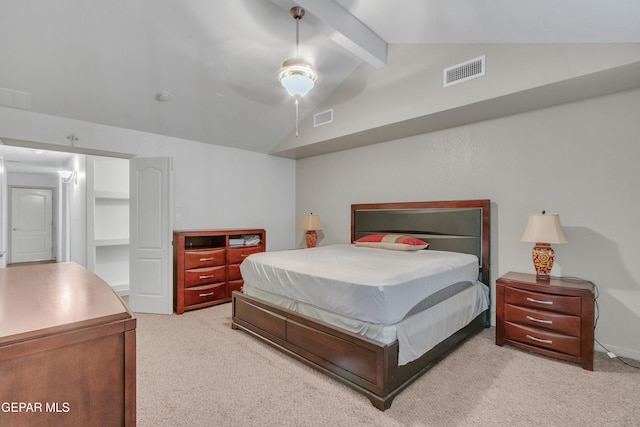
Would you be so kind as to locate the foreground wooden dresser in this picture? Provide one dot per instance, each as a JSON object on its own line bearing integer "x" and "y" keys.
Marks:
{"x": 551, "y": 317}
{"x": 67, "y": 349}
{"x": 206, "y": 265}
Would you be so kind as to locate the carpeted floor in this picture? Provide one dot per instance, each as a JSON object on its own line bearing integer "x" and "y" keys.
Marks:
{"x": 194, "y": 370}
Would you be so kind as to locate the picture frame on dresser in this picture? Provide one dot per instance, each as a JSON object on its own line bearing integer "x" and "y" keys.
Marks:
{"x": 206, "y": 264}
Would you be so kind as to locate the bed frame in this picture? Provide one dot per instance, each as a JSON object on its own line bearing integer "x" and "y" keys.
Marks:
{"x": 365, "y": 365}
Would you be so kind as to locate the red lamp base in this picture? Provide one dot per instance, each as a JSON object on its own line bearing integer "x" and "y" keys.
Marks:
{"x": 543, "y": 256}
{"x": 312, "y": 238}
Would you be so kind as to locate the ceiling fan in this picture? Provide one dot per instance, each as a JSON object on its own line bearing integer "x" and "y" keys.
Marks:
{"x": 297, "y": 76}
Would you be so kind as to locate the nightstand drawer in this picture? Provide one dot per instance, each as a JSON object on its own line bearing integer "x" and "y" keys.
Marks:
{"x": 203, "y": 276}
{"x": 203, "y": 258}
{"x": 200, "y": 294}
{"x": 543, "y": 319}
{"x": 557, "y": 303}
{"x": 544, "y": 339}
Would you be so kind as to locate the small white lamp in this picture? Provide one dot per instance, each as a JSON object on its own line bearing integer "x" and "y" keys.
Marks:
{"x": 543, "y": 229}
{"x": 311, "y": 223}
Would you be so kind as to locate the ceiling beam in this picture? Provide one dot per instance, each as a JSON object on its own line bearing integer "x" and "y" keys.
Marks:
{"x": 332, "y": 20}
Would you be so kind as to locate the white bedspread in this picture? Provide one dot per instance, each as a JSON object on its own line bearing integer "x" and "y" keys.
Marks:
{"x": 369, "y": 284}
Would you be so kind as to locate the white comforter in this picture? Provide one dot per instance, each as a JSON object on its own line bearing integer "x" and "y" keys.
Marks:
{"x": 369, "y": 284}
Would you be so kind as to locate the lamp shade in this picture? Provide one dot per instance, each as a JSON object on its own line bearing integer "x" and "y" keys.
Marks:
{"x": 311, "y": 222}
{"x": 544, "y": 228}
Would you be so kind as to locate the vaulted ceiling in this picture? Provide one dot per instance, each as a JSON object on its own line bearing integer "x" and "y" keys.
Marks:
{"x": 105, "y": 61}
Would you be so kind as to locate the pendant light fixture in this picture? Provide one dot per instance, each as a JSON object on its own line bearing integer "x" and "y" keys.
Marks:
{"x": 297, "y": 76}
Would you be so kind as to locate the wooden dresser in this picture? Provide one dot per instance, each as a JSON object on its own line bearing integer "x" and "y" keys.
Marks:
{"x": 206, "y": 265}
{"x": 551, "y": 317}
{"x": 67, "y": 349}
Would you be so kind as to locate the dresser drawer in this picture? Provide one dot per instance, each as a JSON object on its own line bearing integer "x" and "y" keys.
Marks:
{"x": 541, "y": 338}
{"x": 199, "y": 258}
{"x": 565, "y": 323}
{"x": 234, "y": 272}
{"x": 235, "y": 285}
{"x": 237, "y": 255}
{"x": 201, "y": 294}
{"x": 204, "y": 276}
{"x": 557, "y": 303}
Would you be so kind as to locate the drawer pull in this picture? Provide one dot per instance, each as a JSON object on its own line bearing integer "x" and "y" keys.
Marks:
{"x": 539, "y": 340}
{"x": 533, "y": 319}
{"x": 206, "y": 259}
{"x": 208, "y": 294}
{"x": 540, "y": 302}
{"x": 209, "y": 276}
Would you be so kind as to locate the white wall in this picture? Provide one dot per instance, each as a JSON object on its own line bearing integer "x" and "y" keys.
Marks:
{"x": 214, "y": 187}
{"x": 578, "y": 159}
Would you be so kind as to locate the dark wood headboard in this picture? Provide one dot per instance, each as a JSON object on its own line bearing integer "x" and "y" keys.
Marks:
{"x": 457, "y": 226}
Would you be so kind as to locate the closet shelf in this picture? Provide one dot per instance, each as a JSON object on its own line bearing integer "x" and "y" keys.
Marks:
{"x": 111, "y": 242}
{"x": 101, "y": 194}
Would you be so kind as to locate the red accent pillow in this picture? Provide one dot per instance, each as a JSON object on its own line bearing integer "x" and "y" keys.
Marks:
{"x": 396, "y": 242}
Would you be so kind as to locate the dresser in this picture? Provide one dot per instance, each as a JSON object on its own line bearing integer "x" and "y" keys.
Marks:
{"x": 550, "y": 317}
{"x": 206, "y": 265}
{"x": 67, "y": 349}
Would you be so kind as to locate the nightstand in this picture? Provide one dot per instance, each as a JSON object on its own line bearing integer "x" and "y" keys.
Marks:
{"x": 550, "y": 317}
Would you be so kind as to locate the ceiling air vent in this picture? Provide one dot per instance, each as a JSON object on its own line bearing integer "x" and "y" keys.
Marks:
{"x": 465, "y": 71}
{"x": 323, "y": 118}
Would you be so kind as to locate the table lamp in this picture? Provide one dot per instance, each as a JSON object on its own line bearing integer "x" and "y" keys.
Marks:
{"x": 311, "y": 223}
{"x": 543, "y": 229}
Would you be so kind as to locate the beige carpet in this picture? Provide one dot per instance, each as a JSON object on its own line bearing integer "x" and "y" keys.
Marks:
{"x": 194, "y": 370}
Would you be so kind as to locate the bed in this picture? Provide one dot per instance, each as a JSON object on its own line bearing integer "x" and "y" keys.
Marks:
{"x": 364, "y": 324}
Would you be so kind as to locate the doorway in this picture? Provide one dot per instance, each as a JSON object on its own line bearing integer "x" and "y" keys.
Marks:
{"x": 31, "y": 225}
{"x": 74, "y": 234}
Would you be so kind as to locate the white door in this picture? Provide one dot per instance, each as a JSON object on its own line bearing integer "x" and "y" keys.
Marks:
{"x": 151, "y": 289}
{"x": 31, "y": 224}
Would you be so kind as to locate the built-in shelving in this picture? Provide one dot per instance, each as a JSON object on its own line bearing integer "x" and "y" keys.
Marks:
{"x": 111, "y": 194}
{"x": 111, "y": 242}
{"x": 108, "y": 220}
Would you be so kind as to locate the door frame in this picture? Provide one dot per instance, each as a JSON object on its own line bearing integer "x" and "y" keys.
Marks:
{"x": 54, "y": 219}
{"x": 78, "y": 251}
{"x": 89, "y": 152}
